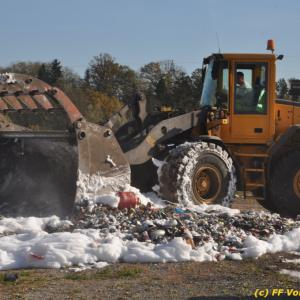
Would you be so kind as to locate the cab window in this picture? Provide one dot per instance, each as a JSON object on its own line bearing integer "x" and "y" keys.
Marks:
{"x": 250, "y": 90}
{"x": 222, "y": 88}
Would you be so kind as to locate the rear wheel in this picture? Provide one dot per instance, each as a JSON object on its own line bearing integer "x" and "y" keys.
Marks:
{"x": 285, "y": 185}
{"x": 267, "y": 202}
{"x": 199, "y": 173}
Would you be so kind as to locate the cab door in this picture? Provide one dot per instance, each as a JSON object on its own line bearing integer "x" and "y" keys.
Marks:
{"x": 250, "y": 105}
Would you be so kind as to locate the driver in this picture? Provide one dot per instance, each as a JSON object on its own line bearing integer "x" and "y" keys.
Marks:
{"x": 244, "y": 93}
{"x": 242, "y": 86}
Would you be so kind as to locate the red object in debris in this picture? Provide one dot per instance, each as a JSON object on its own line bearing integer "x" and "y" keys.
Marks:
{"x": 233, "y": 250}
{"x": 128, "y": 200}
{"x": 36, "y": 256}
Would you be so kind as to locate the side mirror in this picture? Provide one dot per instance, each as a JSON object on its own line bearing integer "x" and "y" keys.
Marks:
{"x": 280, "y": 57}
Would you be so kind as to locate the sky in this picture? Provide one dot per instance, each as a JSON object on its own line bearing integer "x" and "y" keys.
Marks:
{"x": 136, "y": 32}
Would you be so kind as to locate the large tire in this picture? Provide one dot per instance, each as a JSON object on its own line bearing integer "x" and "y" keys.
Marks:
{"x": 285, "y": 185}
{"x": 198, "y": 173}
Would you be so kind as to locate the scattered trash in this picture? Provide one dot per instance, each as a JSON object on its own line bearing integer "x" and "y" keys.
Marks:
{"x": 146, "y": 223}
{"x": 35, "y": 256}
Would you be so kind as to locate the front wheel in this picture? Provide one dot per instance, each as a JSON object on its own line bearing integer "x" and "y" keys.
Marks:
{"x": 199, "y": 173}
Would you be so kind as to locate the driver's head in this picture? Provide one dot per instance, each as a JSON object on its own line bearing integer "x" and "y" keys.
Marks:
{"x": 240, "y": 78}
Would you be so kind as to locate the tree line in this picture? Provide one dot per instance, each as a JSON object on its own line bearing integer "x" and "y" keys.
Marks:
{"x": 284, "y": 90}
{"x": 107, "y": 85}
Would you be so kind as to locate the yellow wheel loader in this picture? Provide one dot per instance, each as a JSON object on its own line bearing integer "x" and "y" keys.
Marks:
{"x": 241, "y": 137}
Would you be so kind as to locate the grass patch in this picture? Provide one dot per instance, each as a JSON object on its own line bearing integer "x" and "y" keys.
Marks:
{"x": 124, "y": 272}
{"x": 107, "y": 273}
{"x": 128, "y": 272}
{"x": 25, "y": 278}
{"x": 24, "y": 274}
{"x": 77, "y": 276}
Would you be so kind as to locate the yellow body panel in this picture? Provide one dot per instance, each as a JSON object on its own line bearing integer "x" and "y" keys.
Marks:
{"x": 296, "y": 114}
{"x": 284, "y": 117}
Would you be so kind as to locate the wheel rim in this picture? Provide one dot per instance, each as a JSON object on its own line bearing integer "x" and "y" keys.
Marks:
{"x": 296, "y": 184}
{"x": 206, "y": 184}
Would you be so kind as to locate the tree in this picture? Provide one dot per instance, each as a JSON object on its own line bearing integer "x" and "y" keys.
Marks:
{"x": 50, "y": 72}
{"x": 150, "y": 74}
{"x": 127, "y": 84}
{"x": 102, "y": 73}
{"x": 22, "y": 67}
{"x": 43, "y": 73}
{"x": 94, "y": 105}
{"x": 163, "y": 92}
{"x": 196, "y": 78}
{"x": 87, "y": 76}
{"x": 108, "y": 77}
{"x": 183, "y": 93}
{"x": 171, "y": 70}
{"x": 149, "y": 77}
{"x": 157, "y": 82}
{"x": 55, "y": 71}
{"x": 282, "y": 88}
{"x": 101, "y": 106}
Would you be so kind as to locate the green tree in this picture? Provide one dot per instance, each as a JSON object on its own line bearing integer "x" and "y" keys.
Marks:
{"x": 55, "y": 70}
{"x": 183, "y": 93}
{"x": 196, "y": 78}
{"x": 107, "y": 76}
{"x": 157, "y": 82}
{"x": 50, "y": 72}
{"x": 150, "y": 74}
{"x": 163, "y": 92}
{"x": 282, "y": 88}
{"x": 69, "y": 79}
{"x": 43, "y": 73}
{"x": 94, "y": 105}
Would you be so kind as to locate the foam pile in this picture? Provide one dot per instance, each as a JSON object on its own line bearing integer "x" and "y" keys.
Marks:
{"x": 100, "y": 233}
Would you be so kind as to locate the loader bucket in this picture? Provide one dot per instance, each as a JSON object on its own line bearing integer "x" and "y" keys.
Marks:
{"x": 48, "y": 151}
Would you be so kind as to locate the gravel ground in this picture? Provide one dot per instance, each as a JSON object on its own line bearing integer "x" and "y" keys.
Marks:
{"x": 207, "y": 280}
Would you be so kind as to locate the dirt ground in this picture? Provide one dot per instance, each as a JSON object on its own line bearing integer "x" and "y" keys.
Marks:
{"x": 247, "y": 203}
{"x": 189, "y": 280}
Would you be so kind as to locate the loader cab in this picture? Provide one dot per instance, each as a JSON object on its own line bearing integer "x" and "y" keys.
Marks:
{"x": 243, "y": 85}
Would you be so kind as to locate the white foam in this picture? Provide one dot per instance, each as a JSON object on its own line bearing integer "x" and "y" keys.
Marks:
{"x": 292, "y": 273}
{"x": 292, "y": 261}
{"x": 29, "y": 224}
{"x": 26, "y": 244}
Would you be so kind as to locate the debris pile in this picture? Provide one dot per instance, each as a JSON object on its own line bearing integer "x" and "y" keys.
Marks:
{"x": 127, "y": 229}
{"x": 146, "y": 223}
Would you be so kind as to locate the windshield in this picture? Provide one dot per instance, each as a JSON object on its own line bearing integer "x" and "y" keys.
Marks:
{"x": 216, "y": 85}
{"x": 209, "y": 87}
